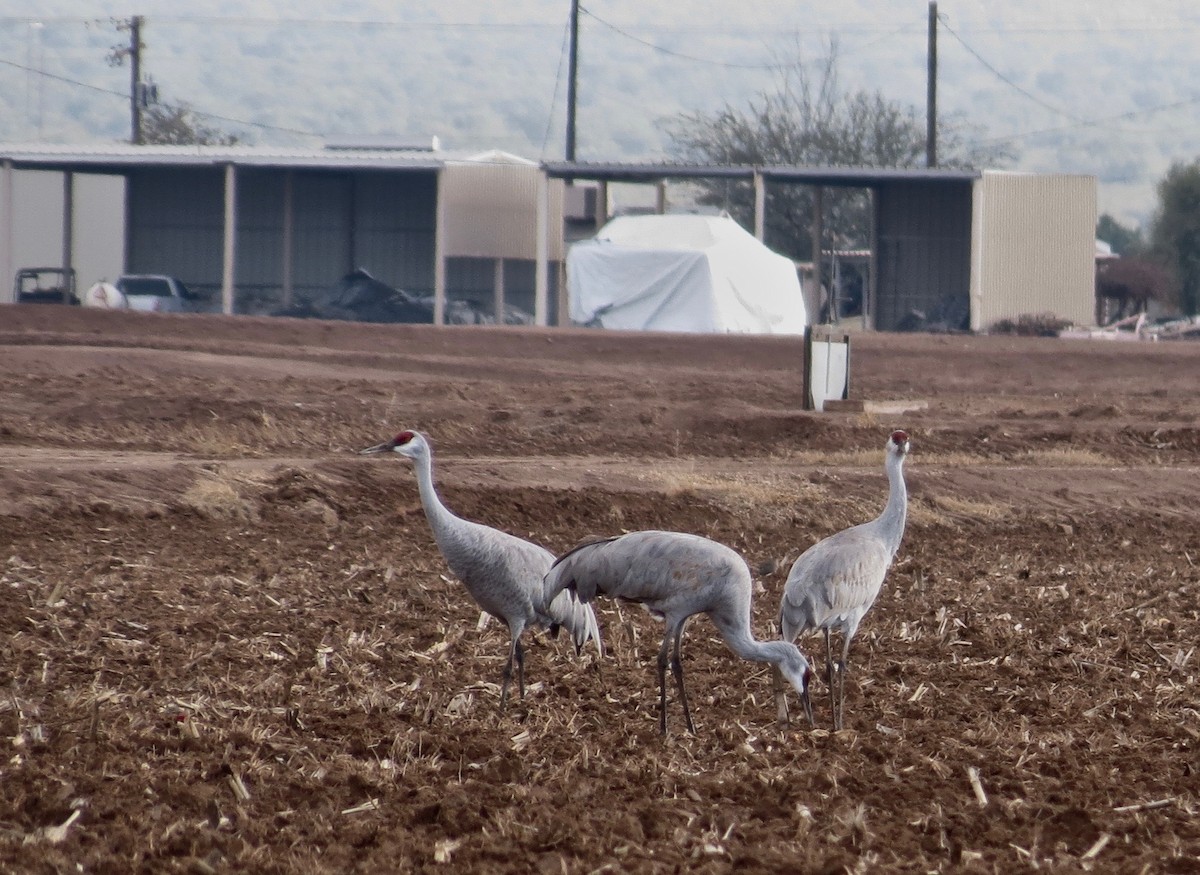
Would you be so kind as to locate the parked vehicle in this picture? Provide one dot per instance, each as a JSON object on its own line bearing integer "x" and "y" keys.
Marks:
{"x": 45, "y": 285}
{"x": 156, "y": 293}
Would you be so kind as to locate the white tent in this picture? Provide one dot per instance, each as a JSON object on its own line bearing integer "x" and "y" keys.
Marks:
{"x": 683, "y": 273}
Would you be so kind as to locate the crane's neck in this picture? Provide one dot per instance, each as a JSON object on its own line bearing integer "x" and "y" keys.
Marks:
{"x": 440, "y": 518}
{"x": 741, "y": 641}
{"x": 891, "y": 521}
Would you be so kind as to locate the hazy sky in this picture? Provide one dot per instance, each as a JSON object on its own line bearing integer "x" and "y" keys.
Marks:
{"x": 1111, "y": 89}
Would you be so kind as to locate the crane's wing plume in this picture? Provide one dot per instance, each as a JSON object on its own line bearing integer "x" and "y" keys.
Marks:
{"x": 579, "y": 619}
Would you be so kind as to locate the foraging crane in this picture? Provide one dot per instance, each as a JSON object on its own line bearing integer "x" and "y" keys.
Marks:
{"x": 677, "y": 576}
{"x": 502, "y": 572}
{"x": 835, "y": 581}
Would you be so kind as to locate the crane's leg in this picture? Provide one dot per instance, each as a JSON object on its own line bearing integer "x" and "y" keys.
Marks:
{"x": 846, "y": 636}
{"x": 520, "y": 665}
{"x": 507, "y": 675}
{"x": 662, "y": 682}
{"x": 677, "y": 670}
{"x": 515, "y": 654}
{"x": 833, "y": 703}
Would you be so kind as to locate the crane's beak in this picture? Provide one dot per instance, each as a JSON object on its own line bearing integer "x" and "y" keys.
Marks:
{"x": 385, "y": 447}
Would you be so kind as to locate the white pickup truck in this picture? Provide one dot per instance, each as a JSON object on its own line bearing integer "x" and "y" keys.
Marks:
{"x": 155, "y": 293}
{"x": 149, "y": 293}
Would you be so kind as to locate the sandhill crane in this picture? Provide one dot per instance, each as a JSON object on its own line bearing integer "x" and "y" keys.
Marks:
{"x": 836, "y": 580}
{"x": 502, "y": 572}
{"x": 677, "y": 576}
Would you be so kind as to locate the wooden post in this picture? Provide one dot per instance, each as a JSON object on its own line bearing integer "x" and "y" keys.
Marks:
{"x": 818, "y": 218}
{"x": 498, "y": 290}
{"x": 760, "y": 206}
{"x": 229, "y": 240}
{"x": 289, "y": 232}
{"x": 439, "y": 257}
{"x": 8, "y": 269}
{"x": 68, "y": 233}
{"x": 541, "y": 280}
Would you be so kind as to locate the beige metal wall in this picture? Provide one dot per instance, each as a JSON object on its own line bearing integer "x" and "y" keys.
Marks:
{"x": 1033, "y": 247}
{"x": 490, "y": 211}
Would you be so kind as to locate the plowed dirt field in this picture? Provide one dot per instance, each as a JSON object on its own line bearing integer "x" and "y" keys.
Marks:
{"x": 229, "y": 644}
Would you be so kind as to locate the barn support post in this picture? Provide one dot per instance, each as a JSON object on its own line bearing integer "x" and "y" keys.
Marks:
{"x": 760, "y": 206}
{"x": 564, "y": 302}
{"x": 439, "y": 256}
{"x": 229, "y": 250}
{"x": 871, "y": 299}
{"x": 287, "y": 277}
{"x": 68, "y": 230}
{"x": 498, "y": 290}
{"x": 7, "y": 269}
{"x": 601, "y": 213}
{"x": 541, "y": 281}
{"x": 818, "y": 219}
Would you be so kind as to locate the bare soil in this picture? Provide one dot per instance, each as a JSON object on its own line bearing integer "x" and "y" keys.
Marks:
{"x": 229, "y": 643}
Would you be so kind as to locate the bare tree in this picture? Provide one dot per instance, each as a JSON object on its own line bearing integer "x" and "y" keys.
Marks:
{"x": 177, "y": 124}
{"x": 808, "y": 119}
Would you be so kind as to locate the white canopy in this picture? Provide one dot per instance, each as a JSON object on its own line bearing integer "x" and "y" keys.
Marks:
{"x": 683, "y": 273}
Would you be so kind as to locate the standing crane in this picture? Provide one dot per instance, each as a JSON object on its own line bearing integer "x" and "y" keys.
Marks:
{"x": 835, "y": 581}
{"x": 676, "y": 576}
{"x": 502, "y": 572}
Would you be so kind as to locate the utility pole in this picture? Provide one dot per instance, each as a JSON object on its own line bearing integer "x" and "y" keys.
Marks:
{"x": 135, "y": 79}
{"x": 572, "y": 71}
{"x": 931, "y": 91}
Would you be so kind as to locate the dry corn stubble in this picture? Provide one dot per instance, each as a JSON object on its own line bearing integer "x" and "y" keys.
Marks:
{"x": 239, "y": 649}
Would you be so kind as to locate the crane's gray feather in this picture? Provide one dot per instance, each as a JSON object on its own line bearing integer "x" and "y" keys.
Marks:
{"x": 676, "y": 576}
{"x": 503, "y": 573}
{"x": 835, "y": 581}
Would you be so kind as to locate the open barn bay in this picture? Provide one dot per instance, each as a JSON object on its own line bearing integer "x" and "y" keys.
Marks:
{"x": 228, "y": 643}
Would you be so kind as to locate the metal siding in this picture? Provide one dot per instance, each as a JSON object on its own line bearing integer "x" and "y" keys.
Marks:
{"x": 519, "y": 281}
{"x": 259, "y": 265}
{"x": 322, "y": 231}
{"x": 176, "y": 228}
{"x": 924, "y": 238}
{"x": 1035, "y": 247}
{"x": 491, "y": 211}
{"x": 474, "y": 279}
{"x": 394, "y": 218}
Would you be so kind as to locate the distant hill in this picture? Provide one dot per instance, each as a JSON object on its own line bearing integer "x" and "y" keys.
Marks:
{"x": 494, "y": 76}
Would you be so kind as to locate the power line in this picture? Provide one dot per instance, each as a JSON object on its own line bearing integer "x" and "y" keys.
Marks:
{"x": 674, "y": 54}
{"x": 1007, "y": 81}
{"x": 1089, "y": 123}
{"x": 121, "y": 94}
{"x": 124, "y": 96}
{"x": 562, "y": 54}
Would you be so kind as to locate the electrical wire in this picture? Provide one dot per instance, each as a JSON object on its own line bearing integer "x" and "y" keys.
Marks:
{"x": 197, "y": 112}
{"x": 1007, "y": 81}
{"x": 562, "y": 55}
{"x": 674, "y": 54}
{"x": 1091, "y": 123}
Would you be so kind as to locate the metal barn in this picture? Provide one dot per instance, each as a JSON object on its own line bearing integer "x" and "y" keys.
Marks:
{"x": 948, "y": 247}
{"x": 267, "y": 227}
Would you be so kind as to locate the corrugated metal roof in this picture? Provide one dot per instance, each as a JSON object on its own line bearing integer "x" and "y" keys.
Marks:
{"x": 115, "y": 156}
{"x": 849, "y": 176}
